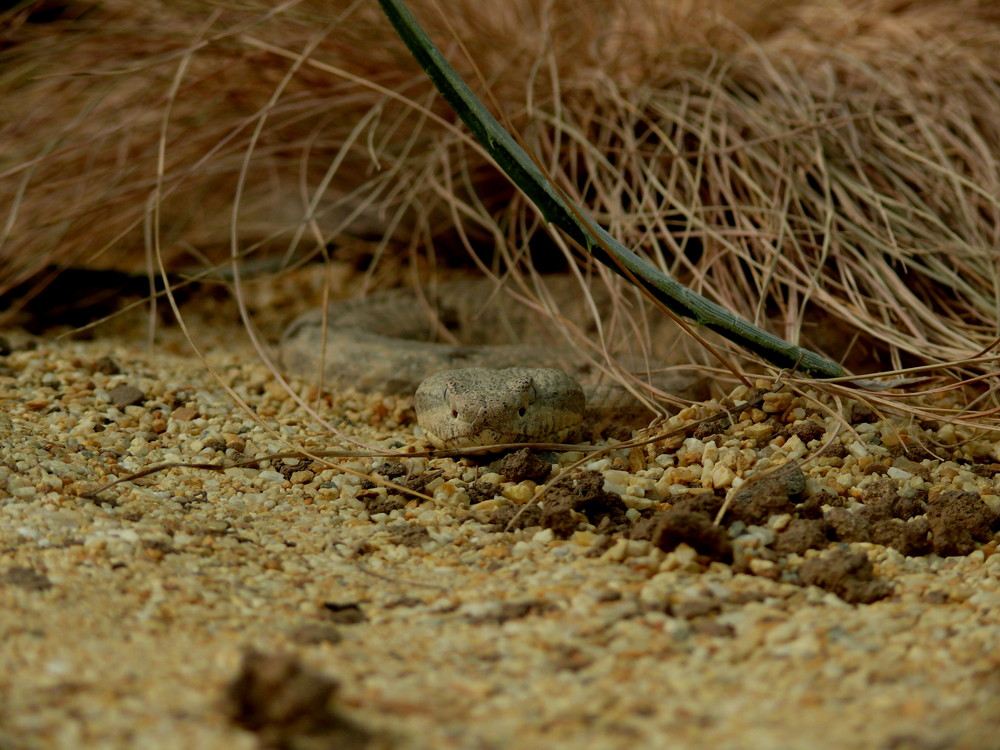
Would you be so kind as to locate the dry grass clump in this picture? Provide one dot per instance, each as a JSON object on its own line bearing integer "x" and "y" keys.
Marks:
{"x": 816, "y": 167}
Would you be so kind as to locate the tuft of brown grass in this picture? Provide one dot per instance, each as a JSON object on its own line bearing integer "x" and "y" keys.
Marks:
{"x": 830, "y": 171}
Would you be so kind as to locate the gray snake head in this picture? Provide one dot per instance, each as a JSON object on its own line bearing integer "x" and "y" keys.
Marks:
{"x": 483, "y": 406}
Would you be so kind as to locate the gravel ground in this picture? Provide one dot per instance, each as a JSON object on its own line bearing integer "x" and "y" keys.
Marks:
{"x": 298, "y": 604}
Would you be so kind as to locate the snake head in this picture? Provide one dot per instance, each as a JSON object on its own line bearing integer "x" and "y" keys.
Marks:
{"x": 481, "y": 406}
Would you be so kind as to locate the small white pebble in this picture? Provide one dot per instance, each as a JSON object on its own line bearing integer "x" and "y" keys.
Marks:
{"x": 711, "y": 453}
{"x": 589, "y": 538}
{"x": 617, "y": 477}
{"x": 858, "y": 449}
{"x": 617, "y": 552}
{"x": 776, "y": 402}
{"x": 616, "y": 489}
{"x": 764, "y": 568}
{"x": 301, "y": 477}
{"x": 683, "y": 557}
{"x": 794, "y": 447}
{"x": 722, "y": 476}
{"x": 637, "y": 503}
{"x": 545, "y": 536}
{"x": 522, "y": 549}
{"x": 451, "y": 493}
{"x": 520, "y": 493}
{"x": 780, "y": 522}
{"x": 693, "y": 445}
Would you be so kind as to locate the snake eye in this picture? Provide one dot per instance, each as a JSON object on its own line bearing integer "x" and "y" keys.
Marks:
{"x": 446, "y": 397}
{"x": 527, "y": 397}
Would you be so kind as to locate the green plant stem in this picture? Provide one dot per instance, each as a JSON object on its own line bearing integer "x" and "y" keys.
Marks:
{"x": 580, "y": 227}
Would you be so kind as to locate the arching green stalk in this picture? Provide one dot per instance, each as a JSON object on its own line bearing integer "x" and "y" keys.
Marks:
{"x": 572, "y": 220}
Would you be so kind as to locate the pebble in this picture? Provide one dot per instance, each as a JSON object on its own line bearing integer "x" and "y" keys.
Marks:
{"x": 269, "y": 476}
{"x": 520, "y": 493}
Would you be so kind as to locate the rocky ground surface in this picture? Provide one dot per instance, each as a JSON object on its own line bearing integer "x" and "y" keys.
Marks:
{"x": 851, "y": 599}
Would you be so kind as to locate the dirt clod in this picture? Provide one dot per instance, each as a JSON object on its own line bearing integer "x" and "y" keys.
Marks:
{"x": 849, "y": 575}
{"x": 862, "y": 413}
{"x": 412, "y": 535}
{"x": 379, "y": 504}
{"x": 391, "y": 470}
{"x": 699, "y": 502}
{"x": 802, "y": 534}
{"x": 419, "y": 482}
{"x": 958, "y": 520}
{"x": 758, "y": 501}
{"x": 510, "y": 611}
{"x": 287, "y": 705}
{"x": 480, "y": 491}
{"x": 343, "y": 613}
{"x": 806, "y": 430}
{"x": 524, "y": 465}
{"x": 669, "y": 528}
{"x": 107, "y": 366}
{"x": 26, "y": 578}
{"x": 582, "y": 493}
{"x": 883, "y": 501}
{"x": 907, "y": 538}
{"x": 521, "y": 516}
{"x": 847, "y": 526}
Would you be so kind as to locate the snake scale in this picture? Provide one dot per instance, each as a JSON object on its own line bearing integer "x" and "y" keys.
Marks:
{"x": 486, "y": 367}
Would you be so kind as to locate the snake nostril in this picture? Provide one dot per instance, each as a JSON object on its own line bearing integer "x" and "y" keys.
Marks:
{"x": 454, "y": 413}
{"x": 522, "y": 411}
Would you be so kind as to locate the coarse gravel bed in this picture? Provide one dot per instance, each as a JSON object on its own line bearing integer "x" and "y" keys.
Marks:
{"x": 296, "y": 605}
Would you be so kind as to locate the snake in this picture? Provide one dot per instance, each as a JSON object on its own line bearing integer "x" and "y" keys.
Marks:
{"x": 484, "y": 363}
